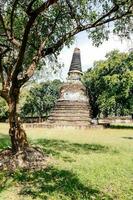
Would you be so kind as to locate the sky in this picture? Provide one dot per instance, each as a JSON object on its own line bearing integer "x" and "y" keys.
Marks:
{"x": 89, "y": 53}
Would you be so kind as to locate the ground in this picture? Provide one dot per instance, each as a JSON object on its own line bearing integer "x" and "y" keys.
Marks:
{"x": 86, "y": 164}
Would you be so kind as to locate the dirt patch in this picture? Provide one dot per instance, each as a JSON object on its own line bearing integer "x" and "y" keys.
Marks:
{"x": 29, "y": 158}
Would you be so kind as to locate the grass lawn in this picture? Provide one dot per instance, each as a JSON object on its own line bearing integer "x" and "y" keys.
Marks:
{"x": 90, "y": 164}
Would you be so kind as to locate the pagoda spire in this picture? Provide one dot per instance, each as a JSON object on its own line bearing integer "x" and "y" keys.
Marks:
{"x": 76, "y": 61}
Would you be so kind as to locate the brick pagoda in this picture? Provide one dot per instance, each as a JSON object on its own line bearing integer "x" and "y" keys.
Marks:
{"x": 72, "y": 108}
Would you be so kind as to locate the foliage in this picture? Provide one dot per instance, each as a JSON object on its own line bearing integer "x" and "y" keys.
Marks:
{"x": 40, "y": 99}
{"x": 3, "y": 108}
{"x": 32, "y": 30}
{"x": 110, "y": 84}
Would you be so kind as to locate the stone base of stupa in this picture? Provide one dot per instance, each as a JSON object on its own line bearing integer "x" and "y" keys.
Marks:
{"x": 73, "y": 114}
{"x": 70, "y": 113}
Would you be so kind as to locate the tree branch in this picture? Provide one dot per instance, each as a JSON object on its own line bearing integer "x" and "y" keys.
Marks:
{"x": 17, "y": 68}
{"x": 113, "y": 19}
{"x": 12, "y": 15}
{"x": 43, "y": 7}
{"x": 78, "y": 29}
{"x": 8, "y": 33}
{"x": 1, "y": 72}
{"x": 72, "y": 13}
{"x": 33, "y": 16}
{"x": 29, "y": 8}
{"x": 4, "y": 91}
{"x": 114, "y": 9}
{"x": 30, "y": 71}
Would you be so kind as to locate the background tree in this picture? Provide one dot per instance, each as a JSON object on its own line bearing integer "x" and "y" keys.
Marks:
{"x": 41, "y": 99}
{"x": 32, "y": 30}
{"x": 110, "y": 85}
{"x": 3, "y": 109}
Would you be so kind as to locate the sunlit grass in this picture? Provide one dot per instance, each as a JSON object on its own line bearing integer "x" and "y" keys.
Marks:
{"x": 87, "y": 164}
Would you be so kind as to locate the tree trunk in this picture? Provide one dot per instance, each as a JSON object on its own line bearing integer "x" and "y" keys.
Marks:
{"x": 16, "y": 132}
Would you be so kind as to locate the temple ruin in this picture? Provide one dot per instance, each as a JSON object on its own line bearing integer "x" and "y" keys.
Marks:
{"x": 72, "y": 108}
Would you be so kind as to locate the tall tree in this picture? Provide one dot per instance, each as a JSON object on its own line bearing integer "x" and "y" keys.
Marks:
{"x": 110, "y": 85}
{"x": 31, "y": 30}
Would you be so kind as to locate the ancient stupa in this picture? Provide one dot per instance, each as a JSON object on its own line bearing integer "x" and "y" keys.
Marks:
{"x": 72, "y": 108}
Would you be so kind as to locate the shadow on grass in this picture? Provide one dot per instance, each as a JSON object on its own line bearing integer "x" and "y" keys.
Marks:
{"x": 56, "y": 147}
{"x": 128, "y": 138}
{"x": 52, "y": 182}
{"x": 121, "y": 126}
{"x": 4, "y": 141}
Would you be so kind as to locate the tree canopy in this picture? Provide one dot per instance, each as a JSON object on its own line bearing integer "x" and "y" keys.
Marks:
{"x": 30, "y": 30}
{"x": 110, "y": 84}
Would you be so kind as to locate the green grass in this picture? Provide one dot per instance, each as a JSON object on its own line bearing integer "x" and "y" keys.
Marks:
{"x": 122, "y": 126}
{"x": 90, "y": 164}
